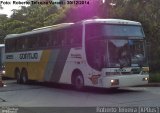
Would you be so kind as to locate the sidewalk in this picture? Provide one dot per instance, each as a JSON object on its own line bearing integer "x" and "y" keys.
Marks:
{"x": 151, "y": 84}
{"x": 154, "y": 84}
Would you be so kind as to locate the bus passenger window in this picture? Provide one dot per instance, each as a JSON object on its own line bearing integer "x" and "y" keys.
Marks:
{"x": 55, "y": 39}
{"x": 77, "y": 35}
{"x": 61, "y": 38}
{"x": 43, "y": 40}
{"x": 73, "y": 36}
{"x": 56, "y": 42}
{"x": 32, "y": 42}
{"x": 10, "y": 45}
{"x": 50, "y": 40}
{"x": 69, "y": 36}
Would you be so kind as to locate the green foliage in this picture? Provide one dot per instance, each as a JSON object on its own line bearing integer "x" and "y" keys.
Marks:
{"x": 3, "y": 21}
{"x": 28, "y": 18}
{"x": 57, "y": 17}
{"x": 154, "y": 77}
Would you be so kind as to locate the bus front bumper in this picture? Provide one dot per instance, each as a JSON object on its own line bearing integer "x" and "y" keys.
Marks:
{"x": 124, "y": 80}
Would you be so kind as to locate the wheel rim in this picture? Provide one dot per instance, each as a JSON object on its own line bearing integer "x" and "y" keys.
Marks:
{"x": 24, "y": 77}
{"x": 18, "y": 77}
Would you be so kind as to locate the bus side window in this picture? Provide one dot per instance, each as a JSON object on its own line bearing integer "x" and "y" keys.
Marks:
{"x": 32, "y": 42}
{"x": 25, "y": 43}
{"x": 10, "y": 45}
{"x": 46, "y": 40}
{"x": 56, "y": 39}
{"x": 35, "y": 42}
{"x": 43, "y": 40}
{"x": 65, "y": 38}
{"x": 69, "y": 37}
{"x": 40, "y": 41}
{"x": 6, "y": 46}
{"x": 20, "y": 44}
{"x": 74, "y": 35}
{"x": 78, "y": 35}
{"x": 50, "y": 39}
{"x": 52, "y": 36}
{"x": 61, "y": 38}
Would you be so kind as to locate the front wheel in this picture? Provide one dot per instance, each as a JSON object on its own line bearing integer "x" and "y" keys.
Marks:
{"x": 78, "y": 81}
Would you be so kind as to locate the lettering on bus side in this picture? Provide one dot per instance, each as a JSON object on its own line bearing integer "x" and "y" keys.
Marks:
{"x": 28, "y": 56}
{"x": 120, "y": 70}
{"x": 76, "y": 56}
{"x": 9, "y": 56}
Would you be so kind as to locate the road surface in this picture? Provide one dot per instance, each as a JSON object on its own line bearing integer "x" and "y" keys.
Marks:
{"x": 40, "y": 95}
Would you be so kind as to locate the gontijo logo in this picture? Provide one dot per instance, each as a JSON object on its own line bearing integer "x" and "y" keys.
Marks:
{"x": 29, "y": 56}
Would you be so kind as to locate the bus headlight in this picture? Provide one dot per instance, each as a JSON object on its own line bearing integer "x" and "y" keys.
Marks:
{"x": 114, "y": 82}
{"x": 3, "y": 72}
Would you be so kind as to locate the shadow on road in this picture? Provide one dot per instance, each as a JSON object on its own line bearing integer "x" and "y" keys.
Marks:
{"x": 86, "y": 89}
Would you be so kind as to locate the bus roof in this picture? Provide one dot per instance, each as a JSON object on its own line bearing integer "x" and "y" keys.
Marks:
{"x": 53, "y": 26}
{"x": 64, "y": 25}
{"x": 112, "y": 21}
{"x": 40, "y": 30}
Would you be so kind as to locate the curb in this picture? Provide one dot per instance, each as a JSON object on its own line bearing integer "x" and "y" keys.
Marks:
{"x": 150, "y": 85}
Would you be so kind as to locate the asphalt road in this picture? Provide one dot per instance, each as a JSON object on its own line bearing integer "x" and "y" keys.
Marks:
{"x": 50, "y": 95}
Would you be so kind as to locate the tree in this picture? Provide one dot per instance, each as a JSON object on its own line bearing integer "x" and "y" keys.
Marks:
{"x": 3, "y": 20}
{"x": 80, "y": 12}
{"x": 28, "y": 18}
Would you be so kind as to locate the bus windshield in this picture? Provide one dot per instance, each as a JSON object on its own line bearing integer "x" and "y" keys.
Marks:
{"x": 115, "y": 53}
{"x": 116, "y": 45}
{"x": 126, "y": 53}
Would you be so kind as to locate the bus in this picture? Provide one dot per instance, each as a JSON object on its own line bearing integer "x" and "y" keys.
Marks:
{"x": 106, "y": 53}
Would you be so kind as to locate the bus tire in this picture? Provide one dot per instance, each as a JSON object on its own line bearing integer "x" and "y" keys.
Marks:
{"x": 78, "y": 80}
{"x": 24, "y": 76}
{"x": 18, "y": 76}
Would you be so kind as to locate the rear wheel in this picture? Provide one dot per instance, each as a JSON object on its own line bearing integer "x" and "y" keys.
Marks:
{"x": 18, "y": 76}
{"x": 24, "y": 76}
{"x": 78, "y": 81}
